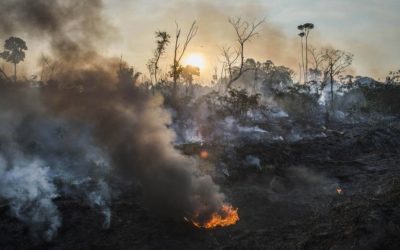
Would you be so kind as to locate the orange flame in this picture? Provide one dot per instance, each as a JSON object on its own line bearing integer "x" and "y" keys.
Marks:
{"x": 204, "y": 154}
{"x": 339, "y": 191}
{"x": 227, "y": 216}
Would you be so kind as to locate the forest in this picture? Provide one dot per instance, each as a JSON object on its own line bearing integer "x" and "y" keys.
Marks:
{"x": 96, "y": 154}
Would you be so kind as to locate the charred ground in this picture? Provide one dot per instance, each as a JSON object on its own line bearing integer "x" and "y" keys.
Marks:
{"x": 289, "y": 202}
{"x": 95, "y": 155}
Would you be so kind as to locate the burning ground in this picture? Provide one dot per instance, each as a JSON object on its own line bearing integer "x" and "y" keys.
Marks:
{"x": 287, "y": 199}
{"x": 100, "y": 166}
{"x": 92, "y": 158}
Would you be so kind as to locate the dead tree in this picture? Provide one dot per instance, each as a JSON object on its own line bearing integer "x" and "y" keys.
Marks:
{"x": 335, "y": 63}
{"x": 176, "y": 68}
{"x": 317, "y": 59}
{"x": 245, "y": 31}
{"x": 45, "y": 63}
{"x": 229, "y": 59}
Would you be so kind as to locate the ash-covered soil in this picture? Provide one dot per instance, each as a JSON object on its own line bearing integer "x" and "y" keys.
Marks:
{"x": 337, "y": 191}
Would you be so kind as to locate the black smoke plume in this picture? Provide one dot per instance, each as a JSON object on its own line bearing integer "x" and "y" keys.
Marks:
{"x": 71, "y": 136}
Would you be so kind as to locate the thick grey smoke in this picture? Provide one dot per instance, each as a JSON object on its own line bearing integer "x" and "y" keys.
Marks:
{"x": 73, "y": 29}
{"x": 43, "y": 157}
{"x": 133, "y": 128}
{"x": 70, "y": 137}
{"x": 29, "y": 190}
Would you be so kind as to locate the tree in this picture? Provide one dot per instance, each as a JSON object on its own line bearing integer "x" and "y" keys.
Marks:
{"x": 245, "y": 31}
{"x": 14, "y": 52}
{"x": 317, "y": 59}
{"x": 176, "y": 68}
{"x": 127, "y": 76}
{"x": 45, "y": 63}
{"x": 306, "y": 28}
{"x": 188, "y": 72}
{"x": 239, "y": 102}
{"x": 335, "y": 62}
{"x": 163, "y": 38}
{"x": 393, "y": 77}
{"x": 275, "y": 76}
{"x": 251, "y": 64}
{"x": 301, "y": 35}
{"x": 230, "y": 58}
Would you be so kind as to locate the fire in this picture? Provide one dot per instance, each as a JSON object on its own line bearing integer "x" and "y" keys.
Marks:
{"x": 204, "y": 154}
{"x": 227, "y": 216}
{"x": 339, "y": 191}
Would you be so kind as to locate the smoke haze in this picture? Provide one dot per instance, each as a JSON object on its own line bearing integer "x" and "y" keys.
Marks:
{"x": 125, "y": 27}
{"x": 57, "y": 143}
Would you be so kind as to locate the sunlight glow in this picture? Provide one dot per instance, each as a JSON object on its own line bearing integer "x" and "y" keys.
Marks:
{"x": 196, "y": 60}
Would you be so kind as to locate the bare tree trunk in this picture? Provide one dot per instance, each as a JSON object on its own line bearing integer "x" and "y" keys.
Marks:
{"x": 244, "y": 32}
{"x": 232, "y": 80}
{"x": 255, "y": 79}
{"x": 331, "y": 76}
{"x": 15, "y": 72}
{"x": 155, "y": 71}
{"x": 174, "y": 66}
{"x": 41, "y": 75}
{"x": 301, "y": 72}
{"x": 302, "y": 58}
{"x": 306, "y": 69}
{"x": 177, "y": 58}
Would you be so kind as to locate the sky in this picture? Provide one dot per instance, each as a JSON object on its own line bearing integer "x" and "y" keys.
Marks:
{"x": 366, "y": 28}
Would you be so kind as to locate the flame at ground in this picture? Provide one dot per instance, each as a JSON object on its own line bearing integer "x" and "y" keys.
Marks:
{"x": 204, "y": 154}
{"x": 227, "y": 216}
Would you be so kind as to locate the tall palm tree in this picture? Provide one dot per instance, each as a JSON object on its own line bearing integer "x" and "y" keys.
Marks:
{"x": 301, "y": 35}
{"x": 306, "y": 28}
{"x": 14, "y": 52}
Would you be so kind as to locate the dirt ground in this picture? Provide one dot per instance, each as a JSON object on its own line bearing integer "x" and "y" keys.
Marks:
{"x": 340, "y": 191}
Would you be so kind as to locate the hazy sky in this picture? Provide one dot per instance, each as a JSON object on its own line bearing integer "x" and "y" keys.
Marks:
{"x": 367, "y": 28}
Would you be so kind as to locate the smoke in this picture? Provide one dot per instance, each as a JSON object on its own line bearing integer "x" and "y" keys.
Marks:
{"x": 69, "y": 138}
{"x": 69, "y": 31}
{"x": 133, "y": 127}
{"x": 215, "y": 30}
{"x": 30, "y": 193}
{"x": 43, "y": 157}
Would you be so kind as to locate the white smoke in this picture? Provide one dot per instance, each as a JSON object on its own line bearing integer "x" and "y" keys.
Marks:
{"x": 43, "y": 158}
{"x": 29, "y": 189}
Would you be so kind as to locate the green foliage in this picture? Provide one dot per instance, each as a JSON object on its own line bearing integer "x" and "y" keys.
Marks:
{"x": 176, "y": 70}
{"x": 393, "y": 77}
{"x": 383, "y": 98}
{"x": 163, "y": 39}
{"x": 14, "y": 50}
{"x": 236, "y": 103}
{"x": 127, "y": 76}
{"x": 298, "y": 101}
{"x": 276, "y": 74}
{"x": 188, "y": 72}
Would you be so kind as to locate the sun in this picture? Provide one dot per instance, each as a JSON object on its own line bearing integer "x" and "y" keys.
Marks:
{"x": 196, "y": 60}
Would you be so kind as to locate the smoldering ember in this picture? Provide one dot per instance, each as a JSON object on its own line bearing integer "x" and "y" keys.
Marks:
{"x": 199, "y": 124}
